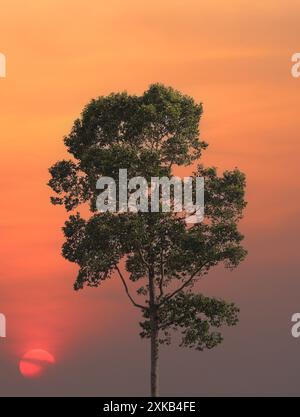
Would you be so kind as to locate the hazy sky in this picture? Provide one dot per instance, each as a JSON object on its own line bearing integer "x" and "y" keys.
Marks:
{"x": 235, "y": 57}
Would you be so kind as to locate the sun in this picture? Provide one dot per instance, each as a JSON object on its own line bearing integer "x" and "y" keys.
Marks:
{"x": 35, "y": 363}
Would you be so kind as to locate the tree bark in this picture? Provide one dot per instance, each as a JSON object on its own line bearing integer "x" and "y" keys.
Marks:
{"x": 154, "y": 355}
{"x": 154, "y": 336}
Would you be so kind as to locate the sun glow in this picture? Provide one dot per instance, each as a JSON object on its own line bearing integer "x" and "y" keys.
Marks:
{"x": 35, "y": 363}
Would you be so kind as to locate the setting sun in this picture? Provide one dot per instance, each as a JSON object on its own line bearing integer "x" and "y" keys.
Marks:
{"x": 35, "y": 363}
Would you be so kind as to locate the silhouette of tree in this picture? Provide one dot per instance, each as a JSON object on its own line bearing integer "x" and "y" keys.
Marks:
{"x": 164, "y": 257}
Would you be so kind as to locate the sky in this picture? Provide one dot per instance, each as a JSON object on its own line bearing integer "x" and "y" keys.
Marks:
{"x": 234, "y": 57}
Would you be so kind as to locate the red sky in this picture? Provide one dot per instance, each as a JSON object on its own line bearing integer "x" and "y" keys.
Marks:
{"x": 235, "y": 57}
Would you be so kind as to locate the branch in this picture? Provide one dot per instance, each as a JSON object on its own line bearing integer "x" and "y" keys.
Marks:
{"x": 185, "y": 284}
{"x": 143, "y": 258}
{"x": 127, "y": 290}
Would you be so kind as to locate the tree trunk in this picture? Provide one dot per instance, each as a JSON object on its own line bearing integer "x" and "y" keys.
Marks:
{"x": 154, "y": 334}
{"x": 154, "y": 354}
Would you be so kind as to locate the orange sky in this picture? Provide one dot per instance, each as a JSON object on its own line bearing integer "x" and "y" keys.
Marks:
{"x": 234, "y": 56}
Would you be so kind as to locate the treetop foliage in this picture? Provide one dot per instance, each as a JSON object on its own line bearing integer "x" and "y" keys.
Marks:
{"x": 149, "y": 135}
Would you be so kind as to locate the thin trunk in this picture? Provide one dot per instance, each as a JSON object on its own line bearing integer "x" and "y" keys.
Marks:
{"x": 154, "y": 357}
{"x": 154, "y": 336}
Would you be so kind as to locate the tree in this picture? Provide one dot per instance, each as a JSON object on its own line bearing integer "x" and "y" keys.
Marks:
{"x": 163, "y": 256}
